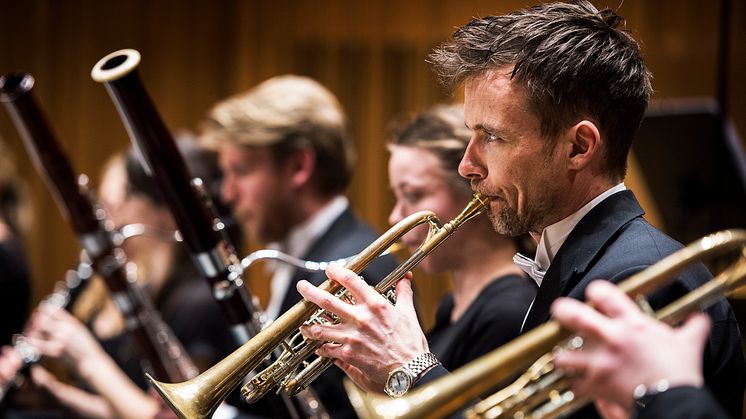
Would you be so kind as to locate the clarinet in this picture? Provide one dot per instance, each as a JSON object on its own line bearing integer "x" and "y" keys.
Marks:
{"x": 211, "y": 252}
{"x": 153, "y": 341}
{"x": 64, "y": 296}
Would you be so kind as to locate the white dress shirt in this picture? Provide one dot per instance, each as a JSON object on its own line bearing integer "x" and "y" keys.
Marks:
{"x": 297, "y": 243}
{"x": 552, "y": 238}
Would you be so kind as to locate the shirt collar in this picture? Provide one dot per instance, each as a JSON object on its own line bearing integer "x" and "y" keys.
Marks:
{"x": 300, "y": 237}
{"x": 553, "y": 236}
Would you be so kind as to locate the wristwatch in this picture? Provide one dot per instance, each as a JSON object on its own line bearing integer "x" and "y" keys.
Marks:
{"x": 403, "y": 378}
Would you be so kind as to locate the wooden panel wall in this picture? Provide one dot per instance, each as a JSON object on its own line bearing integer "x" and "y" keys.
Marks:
{"x": 370, "y": 53}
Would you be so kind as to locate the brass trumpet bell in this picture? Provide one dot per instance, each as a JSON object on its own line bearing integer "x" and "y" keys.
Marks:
{"x": 200, "y": 396}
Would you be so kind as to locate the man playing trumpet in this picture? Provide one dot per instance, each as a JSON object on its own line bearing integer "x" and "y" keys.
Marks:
{"x": 553, "y": 97}
{"x": 285, "y": 150}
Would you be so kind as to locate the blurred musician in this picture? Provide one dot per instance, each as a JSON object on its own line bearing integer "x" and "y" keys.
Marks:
{"x": 163, "y": 265}
{"x": 553, "y": 97}
{"x": 287, "y": 158}
{"x": 111, "y": 376}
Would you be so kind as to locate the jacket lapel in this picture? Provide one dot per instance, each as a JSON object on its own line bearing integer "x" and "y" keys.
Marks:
{"x": 320, "y": 250}
{"x": 580, "y": 250}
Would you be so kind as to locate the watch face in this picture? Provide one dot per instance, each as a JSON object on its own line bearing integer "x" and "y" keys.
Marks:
{"x": 398, "y": 383}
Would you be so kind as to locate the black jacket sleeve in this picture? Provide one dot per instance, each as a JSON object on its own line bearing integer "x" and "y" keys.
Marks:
{"x": 682, "y": 402}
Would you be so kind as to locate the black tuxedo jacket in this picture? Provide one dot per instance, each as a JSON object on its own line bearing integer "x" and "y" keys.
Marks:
{"x": 347, "y": 236}
{"x": 613, "y": 242}
{"x": 681, "y": 403}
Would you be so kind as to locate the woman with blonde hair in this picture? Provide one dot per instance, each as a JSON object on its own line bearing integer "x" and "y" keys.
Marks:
{"x": 491, "y": 295}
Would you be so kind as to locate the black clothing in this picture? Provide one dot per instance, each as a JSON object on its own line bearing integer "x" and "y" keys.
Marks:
{"x": 15, "y": 299}
{"x": 681, "y": 402}
{"x": 346, "y": 236}
{"x": 15, "y": 296}
{"x": 493, "y": 319}
{"x": 613, "y": 242}
{"x": 186, "y": 305}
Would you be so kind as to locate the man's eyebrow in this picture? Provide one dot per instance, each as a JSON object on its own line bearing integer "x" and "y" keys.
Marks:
{"x": 480, "y": 127}
{"x": 484, "y": 127}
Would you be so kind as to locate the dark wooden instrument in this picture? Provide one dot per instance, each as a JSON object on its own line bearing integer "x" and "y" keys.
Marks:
{"x": 154, "y": 342}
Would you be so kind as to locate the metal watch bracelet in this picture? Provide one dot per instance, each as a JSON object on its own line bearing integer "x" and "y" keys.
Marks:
{"x": 421, "y": 363}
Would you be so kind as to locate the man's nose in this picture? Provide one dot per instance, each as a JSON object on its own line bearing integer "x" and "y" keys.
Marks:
{"x": 396, "y": 214}
{"x": 471, "y": 166}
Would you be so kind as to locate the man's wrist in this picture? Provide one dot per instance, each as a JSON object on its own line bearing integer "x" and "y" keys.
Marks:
{"x": 403, "y": 378}
{"x": 642, "y": 394}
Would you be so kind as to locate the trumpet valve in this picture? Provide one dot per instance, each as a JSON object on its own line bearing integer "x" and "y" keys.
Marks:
{"x": 260, "y": 384}
{"x": 279, "y": 371}
{"x": 304, "y": 378}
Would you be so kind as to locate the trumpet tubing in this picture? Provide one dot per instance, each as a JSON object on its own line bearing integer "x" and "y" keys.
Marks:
{"x": 200, "y": 396}
{"x": 282, "y": 370}
{"x": 449, "y": 394}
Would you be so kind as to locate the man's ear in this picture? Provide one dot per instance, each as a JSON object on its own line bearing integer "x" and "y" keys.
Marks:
{"x": 585, "y": 145}
{"x": 300, "y": 166}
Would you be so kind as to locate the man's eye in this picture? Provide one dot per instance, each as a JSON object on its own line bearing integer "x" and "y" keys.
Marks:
{"x": 411, "y": 197}
{"x": 490, "y": 136}
{"x": 240, "y": 170}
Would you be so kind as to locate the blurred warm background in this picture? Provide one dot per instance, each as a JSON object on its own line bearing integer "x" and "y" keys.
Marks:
{"x": 370, "y": 53}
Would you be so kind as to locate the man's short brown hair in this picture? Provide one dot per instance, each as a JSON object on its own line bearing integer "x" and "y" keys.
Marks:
{"x": 574, "y": 62}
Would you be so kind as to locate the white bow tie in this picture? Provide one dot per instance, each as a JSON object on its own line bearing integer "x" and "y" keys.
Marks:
{"x": 530, "y": 267}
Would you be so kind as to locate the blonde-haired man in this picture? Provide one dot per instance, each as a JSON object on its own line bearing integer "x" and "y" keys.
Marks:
{"x": 287, "y": 158}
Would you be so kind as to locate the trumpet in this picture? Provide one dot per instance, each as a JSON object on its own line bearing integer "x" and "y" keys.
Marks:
{"x": 543, "y": 391}
{"x": 200, "y": 396}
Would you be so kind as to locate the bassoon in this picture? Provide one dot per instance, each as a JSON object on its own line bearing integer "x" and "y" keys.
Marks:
{"x": 153, "y": 341}
{"x": 211, "y": 251}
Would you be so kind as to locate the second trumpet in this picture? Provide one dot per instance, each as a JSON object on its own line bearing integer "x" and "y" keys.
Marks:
{"x": 200, "y": 396}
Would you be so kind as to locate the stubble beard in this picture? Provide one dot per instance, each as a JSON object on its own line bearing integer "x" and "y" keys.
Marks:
{"x": 278, "y": 220}
{"x": 538, "y": 210}
{"x": 507, "y": 222}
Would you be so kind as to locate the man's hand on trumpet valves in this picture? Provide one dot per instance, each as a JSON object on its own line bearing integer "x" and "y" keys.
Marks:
{"x": 624, "y": 349}
{"x": 372, "y": 337}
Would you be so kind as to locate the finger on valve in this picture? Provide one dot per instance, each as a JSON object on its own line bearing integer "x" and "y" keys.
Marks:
{"x": 355, "y": 285}
{"x": 324, "y": 299}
